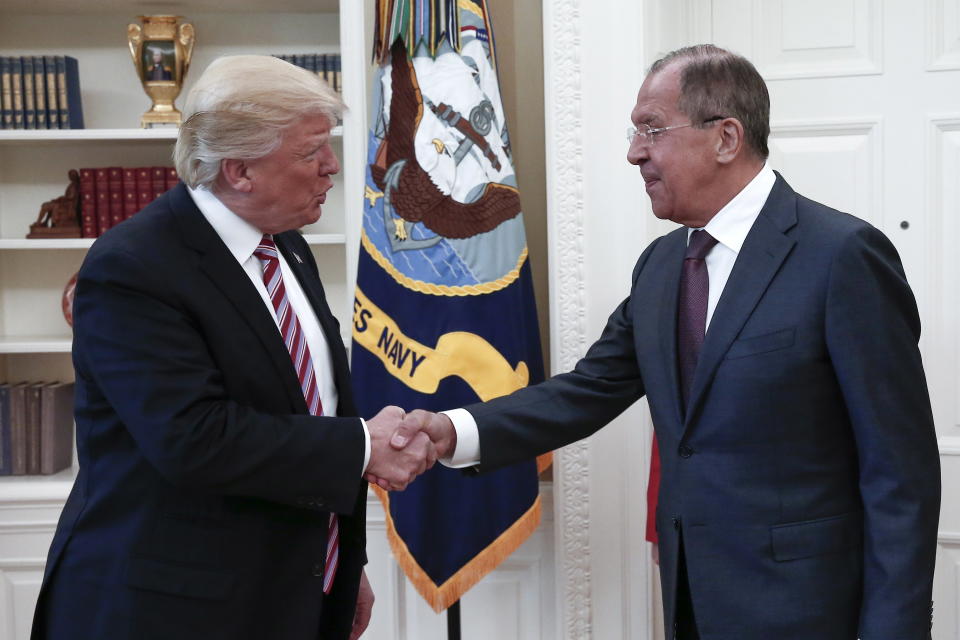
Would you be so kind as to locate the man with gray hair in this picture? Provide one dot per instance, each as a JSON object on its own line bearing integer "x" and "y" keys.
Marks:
{"x": 220, "y": 491}
{"x": 776, "y": 342}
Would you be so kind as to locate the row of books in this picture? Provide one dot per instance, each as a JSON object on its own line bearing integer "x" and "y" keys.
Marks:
{"x": 36, "y": 428}
{"x": 40, "y": 92}
{"x": 110, "y": 195}
{"x": 326, "y": 65}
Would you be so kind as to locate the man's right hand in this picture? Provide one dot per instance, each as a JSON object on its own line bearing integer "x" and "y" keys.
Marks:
{"x": 392, "y": 467}
{"x": 437, "y": 426}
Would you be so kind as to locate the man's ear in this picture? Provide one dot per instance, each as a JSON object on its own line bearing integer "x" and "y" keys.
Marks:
{"x": 730, "y": 140}
{"x": 236, "y": 173}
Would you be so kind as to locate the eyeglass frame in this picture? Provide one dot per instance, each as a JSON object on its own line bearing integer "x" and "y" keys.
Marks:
{"x": 651, "y": 132}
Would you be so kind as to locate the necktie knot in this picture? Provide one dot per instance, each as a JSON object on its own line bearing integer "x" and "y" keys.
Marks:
{"x": 266, "y": 250}
{"x": 700, "y": 244}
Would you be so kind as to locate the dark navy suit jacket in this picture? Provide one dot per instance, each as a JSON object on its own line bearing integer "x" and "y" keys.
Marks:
{"x": 803, "y": 478}
{"x": 201, "y": 504}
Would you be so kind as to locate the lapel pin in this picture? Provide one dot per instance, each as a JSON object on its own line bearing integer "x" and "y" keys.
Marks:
{"x": 297, "y": 257}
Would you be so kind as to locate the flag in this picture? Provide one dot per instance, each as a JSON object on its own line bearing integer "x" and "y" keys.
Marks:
{"x": 444, "y": 312}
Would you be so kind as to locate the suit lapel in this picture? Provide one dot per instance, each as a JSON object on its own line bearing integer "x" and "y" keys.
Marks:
{"x": 760, "y": 258}
{"x": 228, "y": 276}
{"x": 676, "y": 244}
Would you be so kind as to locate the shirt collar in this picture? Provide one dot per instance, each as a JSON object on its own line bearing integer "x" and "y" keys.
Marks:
{"x": 241, "y": 237}
{"x": 733, "y": 222}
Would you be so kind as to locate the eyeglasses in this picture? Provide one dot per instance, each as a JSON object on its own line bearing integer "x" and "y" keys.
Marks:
{"x": 647, "y": 135}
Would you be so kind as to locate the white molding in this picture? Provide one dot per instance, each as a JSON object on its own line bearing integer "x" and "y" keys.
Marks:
{"x": 36, "y": 491}
{"x": 834, "y": 126}
{"x": 868, "y": 62}
{"x": 35, "y": 344}
{"x": 941, "y": 55}
{"x": 20, "y": 564}
{"x": 868, "y": 127}
{"x": 949, "y": 445}
{"x": 356, "y": 27}
{"x": 564, "y": 153}
{"x": 943, "y": 364}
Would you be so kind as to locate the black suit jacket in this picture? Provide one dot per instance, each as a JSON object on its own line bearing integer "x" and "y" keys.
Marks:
{"x": 201, "y": 504}
{"x": 803, "y": 478}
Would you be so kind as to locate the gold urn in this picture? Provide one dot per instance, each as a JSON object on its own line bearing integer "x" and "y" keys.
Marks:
{"x": 161, "y": 48}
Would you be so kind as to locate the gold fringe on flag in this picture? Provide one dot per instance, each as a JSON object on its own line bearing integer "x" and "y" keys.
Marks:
{"x": 440, "y": 597}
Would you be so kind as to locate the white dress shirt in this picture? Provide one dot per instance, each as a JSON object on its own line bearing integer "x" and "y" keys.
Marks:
{"x": 729, "y": 226}
{"x": 242, "y": 240}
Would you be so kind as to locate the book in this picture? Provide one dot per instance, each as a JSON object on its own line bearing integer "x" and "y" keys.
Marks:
{"x": 337, "y": 77}
{"x": 56, "y": 427}
{"x": 16, "y": 80}
{"x": 129, "y": 192}
{"x": 68, "y": 93}
{"x": 5, "y": 458}
{"x": 32, "y": 427}
{"x": 88, "y": 205}
{"x": 18, "y": 429}
{"x": 325, "y": 68}
{"x": 158, "y": 180}
{"x": 172, "y": 178}
{"x": 6, "y": 93}
{"x": 144, "y": 187}
{"x": 115, "y": 186}
{"x": 101, "y": 180}
{"x": 50, "y": 70}
{"x": 40, "y": 92}
{"x": 29, "y": 95}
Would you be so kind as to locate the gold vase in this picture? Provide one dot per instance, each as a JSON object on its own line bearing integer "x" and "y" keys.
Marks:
{"x": 161, "y": 48}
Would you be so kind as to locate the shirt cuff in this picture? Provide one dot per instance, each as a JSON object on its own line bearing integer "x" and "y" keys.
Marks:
{"x": 366, "y": 445}
{"x": 467, "y": 451}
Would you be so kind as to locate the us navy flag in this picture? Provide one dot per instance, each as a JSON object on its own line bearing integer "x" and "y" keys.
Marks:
{"x": 444, "y": 313}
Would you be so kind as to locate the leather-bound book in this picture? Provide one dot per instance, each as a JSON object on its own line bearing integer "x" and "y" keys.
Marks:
{"x": 56, "y": 427}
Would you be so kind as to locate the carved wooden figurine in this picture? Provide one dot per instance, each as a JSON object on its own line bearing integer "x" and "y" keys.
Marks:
{"x": 60, "y": 217}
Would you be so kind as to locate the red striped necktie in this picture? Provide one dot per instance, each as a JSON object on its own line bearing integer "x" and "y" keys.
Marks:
{"x": 296, "y": 341}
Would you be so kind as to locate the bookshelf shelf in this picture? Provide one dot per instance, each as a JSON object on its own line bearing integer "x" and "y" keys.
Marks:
{"x": 99, "y": 135}
{"x": 36, "y": 489}
{"x": 20, "y": 244}
{"x": 316, "y": 239}
{"x": 36, "y": 344}
{"x": 53, "y": 243}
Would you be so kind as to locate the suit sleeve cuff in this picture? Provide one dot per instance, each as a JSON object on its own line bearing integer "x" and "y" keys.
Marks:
{"x": 467, "y": 451}
{"x": 366, "y": 445}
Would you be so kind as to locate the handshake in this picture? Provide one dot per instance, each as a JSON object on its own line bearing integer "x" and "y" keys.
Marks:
{"x": 404, "y": 445}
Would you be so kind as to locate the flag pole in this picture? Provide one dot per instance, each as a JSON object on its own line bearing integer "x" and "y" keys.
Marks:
{"x": 453, "y": 621}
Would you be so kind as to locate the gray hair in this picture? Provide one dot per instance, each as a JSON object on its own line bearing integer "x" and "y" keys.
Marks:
{"x": 716, "y": 82}
{"x": 238, "y": 110}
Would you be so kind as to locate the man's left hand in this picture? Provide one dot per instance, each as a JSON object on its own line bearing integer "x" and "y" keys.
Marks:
{"x": 361, "y": 616}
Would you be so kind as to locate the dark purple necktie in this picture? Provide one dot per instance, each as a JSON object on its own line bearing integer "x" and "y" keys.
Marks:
{"x": 692, "y": 309}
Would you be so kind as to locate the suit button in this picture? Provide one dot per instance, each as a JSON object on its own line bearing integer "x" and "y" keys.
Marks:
{"x": 685, "y": 451}
{"x": 317, "y": 570}
{"x": 676, "y": 523}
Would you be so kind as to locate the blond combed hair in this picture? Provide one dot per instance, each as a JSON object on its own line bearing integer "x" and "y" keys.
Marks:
{"x": 238, "y": 110}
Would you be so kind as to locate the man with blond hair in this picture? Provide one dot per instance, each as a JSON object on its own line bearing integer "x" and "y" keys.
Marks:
{"x": 220, "y": 491}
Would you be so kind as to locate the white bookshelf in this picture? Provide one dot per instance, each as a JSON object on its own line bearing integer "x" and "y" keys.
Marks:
{"x": 35, "y": 340}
